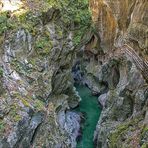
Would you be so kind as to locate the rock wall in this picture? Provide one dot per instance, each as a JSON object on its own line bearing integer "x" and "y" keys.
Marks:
{"x": 118, "y": 22}
{"x": 114, "y": 75}
{"x": 124, "y": 117}
{"x": 36, "y": 86}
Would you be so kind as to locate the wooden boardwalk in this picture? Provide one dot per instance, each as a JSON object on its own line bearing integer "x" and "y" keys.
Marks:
{"x": 141, "y": 64}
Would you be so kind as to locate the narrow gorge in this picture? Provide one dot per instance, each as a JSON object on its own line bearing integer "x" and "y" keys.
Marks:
{"x": 73, "y": 74}
{"x": 90, "y": 112}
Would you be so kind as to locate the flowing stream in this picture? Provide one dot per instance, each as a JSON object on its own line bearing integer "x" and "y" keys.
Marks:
{"x": 89, "y": 106}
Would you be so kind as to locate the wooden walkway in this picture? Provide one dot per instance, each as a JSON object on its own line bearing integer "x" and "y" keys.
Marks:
{"x": 141, "y": 64}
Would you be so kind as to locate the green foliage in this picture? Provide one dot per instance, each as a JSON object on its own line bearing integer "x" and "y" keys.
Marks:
{"x": 29, "y": 21}
{"x": 39, "y": 105}
{"x": 78, "y": 34}
{"x": 76, "y": 16}
{"x": 75, "y": 11}
{"x": 7, "y": 22}
{"x": 144, "y": 145}
{"x": 14, "y": 112}
{"x": 3, "y": 23}
{"x": 52, "y": 3}
{"x": 43, "y": 45}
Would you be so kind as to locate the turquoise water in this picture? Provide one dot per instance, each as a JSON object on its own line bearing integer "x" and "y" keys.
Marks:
{"x": 89, "y": 106}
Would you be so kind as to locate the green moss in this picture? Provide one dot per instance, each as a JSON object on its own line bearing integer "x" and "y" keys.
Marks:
{"x": 77, "y": 37}
{"x": 14, "y": 112}
{"x": 16, "y": 65}
{"x": 17, "y": 118}
{"x": 39, "y": 105}
{"x": 143, "y": 136}
{"x": 43, "y": 45}
{"x": 59, "y": 31}
{"x": 144, "y": 130}
{"x": 2, "y": 126}
{"x": 25, "y": 102}
{"x": 116, "y": 135}
{"x": 144, "y": 145}
{"x": 121, "y": 130}
{"x": 21, "y": 68}
{"x": 1, "y": 72}
{"x": 29, "y": 21}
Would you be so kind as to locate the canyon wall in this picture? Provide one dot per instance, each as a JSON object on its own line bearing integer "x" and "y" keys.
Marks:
{"x": 116, "y": 70}
{"x": 36, "y": 86}
{"x": 119, "y": 22}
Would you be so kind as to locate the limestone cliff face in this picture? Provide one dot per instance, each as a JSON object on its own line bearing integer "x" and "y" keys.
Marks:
{"x": 118, "y": 22}
{"x": 115, "y": 75}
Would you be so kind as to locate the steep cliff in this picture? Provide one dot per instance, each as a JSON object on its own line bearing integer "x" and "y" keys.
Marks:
{"x": 118, "y": 22}
{"x": 116, "y": 69}
{"x": 36, "y": 86}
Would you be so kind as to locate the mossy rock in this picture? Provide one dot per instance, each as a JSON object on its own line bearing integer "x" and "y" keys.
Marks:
{"x": 144, "y": 145}
{"x": 3, "y": 22}
{"x": 43, "y": 46}
{"x": 2, "y": 126}
{"x": 39, "y": 105}
{"x": 115, "y": 138}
